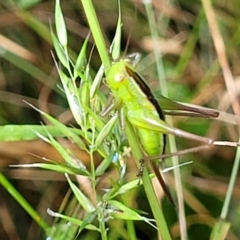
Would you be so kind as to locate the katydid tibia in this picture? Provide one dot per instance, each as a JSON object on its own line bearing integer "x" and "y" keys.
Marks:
{"x": 135, "y": 102}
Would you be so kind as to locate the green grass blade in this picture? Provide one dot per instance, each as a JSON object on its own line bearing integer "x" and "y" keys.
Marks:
{"x": 72, "y": 220}
{"x": 220, "y": 230}
{"x": 60, "y": 25}
{"x": 83, "y": 200}
{"x": 55, "y": 167}
{"x": 116, "y": 44}
{"x": 153, "y": 201}
{"x": 172, "y": 142}
{"x": 96, "y": 32}
{"x": 28, "y": 132}
{"x": 22, "y": 201}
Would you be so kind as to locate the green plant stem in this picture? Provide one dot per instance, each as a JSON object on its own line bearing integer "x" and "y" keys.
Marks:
{"x": 103, "y": 230}
{"x": 232, "y": 181}
{"x": 96, "y": 32}
{"x": 129, "y": 224}
{"x": 147, "y": 183}
{"x": 171, "y": 138}
{"x": 19, "y": 198}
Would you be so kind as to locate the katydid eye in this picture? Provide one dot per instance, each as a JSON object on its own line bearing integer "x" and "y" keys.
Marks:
{"x": 118, "y": 77}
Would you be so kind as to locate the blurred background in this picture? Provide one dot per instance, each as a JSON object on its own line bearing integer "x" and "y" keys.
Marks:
{"x": 194, "y": 75}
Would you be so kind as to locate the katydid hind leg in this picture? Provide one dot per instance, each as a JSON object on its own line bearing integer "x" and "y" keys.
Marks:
{"x": 158, "y": 175}
{"x": 155, "y": 168}
{"x": 179, "y": 153}
{"x": 155, "y": 124}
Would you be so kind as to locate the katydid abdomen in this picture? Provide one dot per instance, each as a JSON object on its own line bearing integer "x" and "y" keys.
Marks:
{"x": 153, "y": 144}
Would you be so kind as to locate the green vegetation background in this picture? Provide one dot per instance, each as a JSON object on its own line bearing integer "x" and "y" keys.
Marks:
{"x": 193, "y": 73}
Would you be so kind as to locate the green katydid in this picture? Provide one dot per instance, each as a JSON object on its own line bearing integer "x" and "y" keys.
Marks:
{"x": 135, "y": 101}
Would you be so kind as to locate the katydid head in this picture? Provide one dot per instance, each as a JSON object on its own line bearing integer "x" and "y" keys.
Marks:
{"x": 116, "y": 75}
